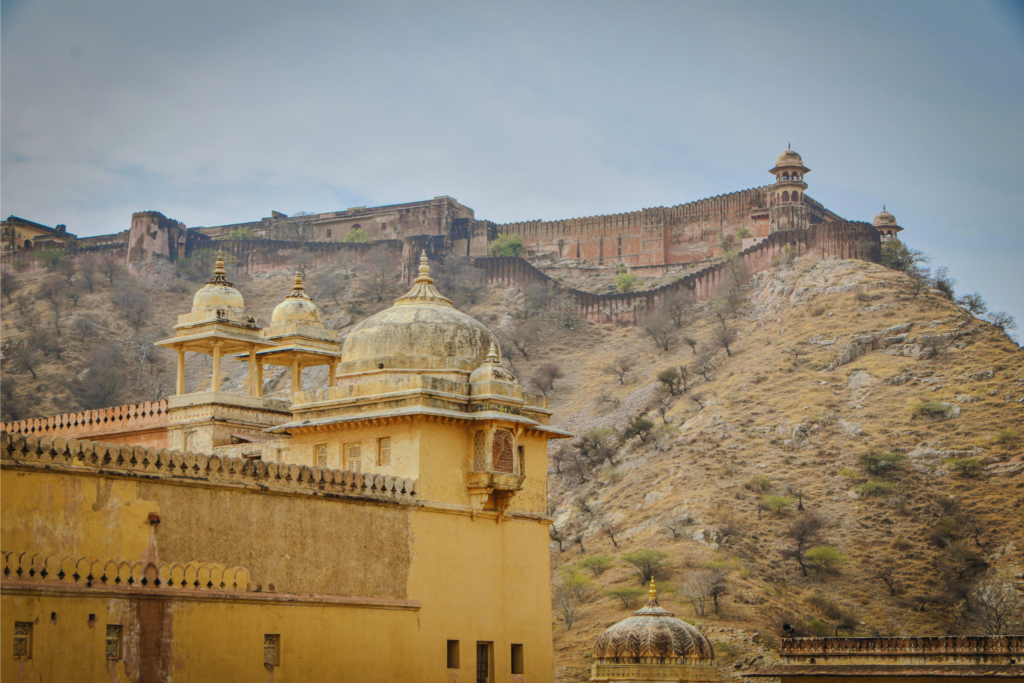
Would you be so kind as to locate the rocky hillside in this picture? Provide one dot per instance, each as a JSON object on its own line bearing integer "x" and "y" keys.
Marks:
{"x": 853, "y": 463}
{"x": 887, "y": 425}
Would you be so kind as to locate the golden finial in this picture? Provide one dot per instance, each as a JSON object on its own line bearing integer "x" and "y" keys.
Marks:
{"x": 492, "y": 355}
{"x": 298, "y": 286}
{"x": 654, "y": 591}
{"x": 424, "y": 275}
{"x": 218, "y": 272}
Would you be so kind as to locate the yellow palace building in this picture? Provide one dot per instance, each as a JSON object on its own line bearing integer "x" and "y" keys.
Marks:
{"x": 389, "y": 527}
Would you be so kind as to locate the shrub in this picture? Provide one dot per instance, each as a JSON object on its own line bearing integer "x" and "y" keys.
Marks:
{"x": 572, "y": 589}
{"x": 968, "y": 467}
{"x": 243, "y": 233}
{"x": 1007, "y": 437}
{"x": 647, "y": 564}
{"x": 595, "y": 564}
{"x": 506, "y": 246}
{"x": 356, "y": 236}
{"x": 932, "y": 409}
{"x": 825, "y": 558}
{"x": 628, "y": 596}
{"x": 626, "y": 282}
{"x": 759, "y": 483}
{"x": 876, "y": 488}
{"x": 777, "y": 503}
{"x": 882, "y": 463}
{"x": 819, "y": 628}
{"x": 639, "y": 426}
{"x": 849, "y": 473}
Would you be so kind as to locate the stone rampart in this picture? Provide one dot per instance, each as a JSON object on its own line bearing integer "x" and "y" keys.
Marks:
{"x": 847, "y": 240}
{"x": 260, "y": 255}
{"x": 197, "y": 469}
{"x": 144, "y": 424}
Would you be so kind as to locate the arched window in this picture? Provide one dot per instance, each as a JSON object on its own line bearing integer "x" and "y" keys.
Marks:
{"x": 28, "y": 244}
{"x": 796, "y": 196}
{"x": 785, "y": 196}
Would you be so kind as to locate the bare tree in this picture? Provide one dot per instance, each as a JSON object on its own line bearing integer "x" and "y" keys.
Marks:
{"x": 692, "y": 343}
{"x": 546, "y": 376}
{"x": 563, "y": 311}
{"x": 133, "y": 299}
{"x": 73, "y": 293}
{"x": 538, "y": 297}
{"x": 973, "y": 303}
{"x": 722, "y": 337}
{"x": 998, "y": 608}
{"x": 84, "y": 327}
{"x": 48, "y": 343}
{"x": 803, "y": 532}
{"x": 558, "y": 537}
{"x": 88, "y": 268}
{"x": 25, "y": 356}
{"x": 944, "y": 282}
{"x": 53, "y": 291}
{"x": 697, "y": 589}
{"x": 676, "y": 522}
{"x": 658, "y": 327}
{"x": 110, "y": 267}
{"x": 379, "y": 276}
{"x": 569, "y": 592}
{"x": 1002, "y": 320}
{"x": 611, "y": 529}
{"x": 525, "y": 334}
{"x": 677, "y": 305}
{"x": 9, "y": 284}
{"x": 332, "y": 284}
{"x": 103, "y": 379}
{"x": 703, "y": 364}
{"x": 887, "y": 575}
{"x": 458, "y": 279}
{"x": 698, "y": 398}
{"x": 661, "y": 403}
{"x": 66, "y": 268}
{"x": 620, "y": 367}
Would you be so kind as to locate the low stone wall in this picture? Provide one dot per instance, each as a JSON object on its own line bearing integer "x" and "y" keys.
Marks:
{"x": 18, "y": 450}
{"x": 847, "y": 240}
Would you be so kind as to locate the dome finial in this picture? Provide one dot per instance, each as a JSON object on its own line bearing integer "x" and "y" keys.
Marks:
{"x": 789, "y": 145}
{"x": 492, "y": 354}
{"x": 424, "y": 275}
{"x": 653, "y": 591}
{"x": 219, "y": 274}
{"x": 298, "y": 287}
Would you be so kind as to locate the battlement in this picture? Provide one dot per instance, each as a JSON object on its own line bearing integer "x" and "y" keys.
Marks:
{"x": 197, "y": 469}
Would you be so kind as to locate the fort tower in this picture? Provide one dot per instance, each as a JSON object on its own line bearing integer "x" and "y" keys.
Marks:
{"x": 788, "y": 210}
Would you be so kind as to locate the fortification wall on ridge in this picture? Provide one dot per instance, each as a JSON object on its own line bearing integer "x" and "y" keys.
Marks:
{"x": 848, "y": 240}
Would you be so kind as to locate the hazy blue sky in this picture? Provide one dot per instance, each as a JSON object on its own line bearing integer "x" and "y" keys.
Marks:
{"x": 216, "y": 112}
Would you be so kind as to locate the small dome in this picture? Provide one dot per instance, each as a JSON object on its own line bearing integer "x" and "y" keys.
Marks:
{"x": 653, "y": 635}
{"x": 789, "y": 160}
{"x": 491, "y": 370}
{"x": 884, "y": 219}
{"x": 218, "y": 294}
{"x": 421, "y": 331}
{"x": 297, "y": 308}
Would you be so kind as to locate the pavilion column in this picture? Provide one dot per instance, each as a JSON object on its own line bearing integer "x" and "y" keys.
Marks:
{"x": 252, "y": 372}
{"x": 215, "y": 379}
{"x": 296, "y": 378}
{"x": 330, "y": 374}
{"x": 259, "y": 379}
{"x": 181, "y": 370}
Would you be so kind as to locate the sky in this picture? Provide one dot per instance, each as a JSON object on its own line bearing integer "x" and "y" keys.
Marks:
{"x": 219, "y": 112}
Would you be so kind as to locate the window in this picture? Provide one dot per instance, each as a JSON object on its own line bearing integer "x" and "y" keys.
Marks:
{"x": 114, "y": 641}
{"x": 383, "y": 226}
{"x": 453, "y": 654}
{"x": 522, "y": 462}
{"x": 517, "y": 659}
{"x": 501, "y": 451}
{"x": 480, "y": 451}
{"x": 328, "y": 233}
{"x": 272, "y": 650}
{"x": 282, "y": 454}
{"x": 785, "y": 196}
{"x": 384, "y": 453}
{"x": 23, "y": 640}
{"x": 353, "y": 457}
{"x": 321, "y": 455}
{"x": 483, "y": 663}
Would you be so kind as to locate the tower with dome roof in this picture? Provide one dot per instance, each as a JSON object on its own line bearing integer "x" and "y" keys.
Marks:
{"x": 885, "y": 224}
{"x": 787, "y": 208}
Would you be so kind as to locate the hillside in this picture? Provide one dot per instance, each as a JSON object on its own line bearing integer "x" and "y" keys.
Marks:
{"x": 831, "y": 360}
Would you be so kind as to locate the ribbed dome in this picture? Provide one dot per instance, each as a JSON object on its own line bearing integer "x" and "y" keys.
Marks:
{"x": 421, "y": 331}
{"x": 788, "y": 160}
{"x": 297, "y": 308}
{"x": 653, "y": 635}
{"x": 218, "y": 293}
{"x": 884, "y": 219}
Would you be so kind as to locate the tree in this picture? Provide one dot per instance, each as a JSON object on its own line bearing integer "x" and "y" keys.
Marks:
{"x": 973, "y": 303}
{"x": 546, "y": 376}
{"x": 84, "y": 327}
{"x": 133, "y": 299}
{"x": 703, "y": 364}
{"x": 50, "y": 257}
{"x": 722, "y": 337}
{"x": 692, "y": 343}
{"x": 882, "y": 463}
{"x": 25, "y": 356}
{"x": 827, "y": 559}
{"x": 647, "y": 564}
{"x": 620, "y": 367}
{"x": 897, "y": 256}
{"x": 697, "y": 589}
{"x": 458, "y": 279}
{"x": 802, "y": 532}
{"x": 628, "y": 596}
{"x": 66, "y": 268}
{"x": 943, "y": 282}
{"x": 87, "y": 269}
{"x": 243, "y": 232}
{"x": 887, "y": 575}
{"x": 661, "y": 403}
{"x": 9, "y": 284}
{"x": 610, "y": 529}
{"x": 718, "y": 572}
{"x": 102, "y": 380}
{"x": 506, "y": 246}
{"x": 73, "y": 294}
{"x": 659, "y": 328}
{"x": 112, "y": 268}
{"x": 538, "y": 298}
{"x": 777, "y": 503}
{"x": 379, "y": 276}
{"x": 677, "y": 305}
{"x": 595, "y": 446}
{"x": 563, "y": 311}
{"x": 674, "y": 379}
{"x": 48, "y": 344}
{"x": 1002, "y": 320}
{"x": 998, "y": 608}
{"x": 332, "y": 284}
{"x": 676, "y": 522}
{"x": 626, "y": 282}
{"x": 595, "y": 564}
{"x": 698, "y": 398}
{"x": 920, "y": 280}
{"x": 639, "y": 426}
{"x": 557, "y": 536}
{"x": 53, "y": 291}
{"x": 525, "y": 334}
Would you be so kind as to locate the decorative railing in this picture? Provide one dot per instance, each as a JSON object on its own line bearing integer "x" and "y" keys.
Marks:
{"x": 52, "y": 569}
{"x": 873, "y": 647}
{"x": 127, "y": 418}
{"x": 197, "y": 468}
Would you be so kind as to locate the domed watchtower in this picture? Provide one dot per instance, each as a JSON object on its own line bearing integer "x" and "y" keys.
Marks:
{"x": 885, "y": 224}
{"x": 653, "y": 645}
{"x": 787, "y": 208}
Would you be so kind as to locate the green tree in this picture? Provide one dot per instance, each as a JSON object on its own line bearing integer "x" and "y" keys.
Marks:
{"x": 628, "y": 596}
{"x": 356, "y": 236}
{"x": 777, "y": 503}
{"x": 506, "y": 246}
{"x": 626, "y": 282}
{"x": 639, "y": 426}
{"x": 647, "y": 564}
{"x": 570, "y": 591}
{"x": 898, "y": 256}
{"x": 50, "y": 257}
{"x": 968, "y": 467}
{"x": 825, "y": 558}
{"x": 595, "y": 564}
{"x": 674, "y": 379}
